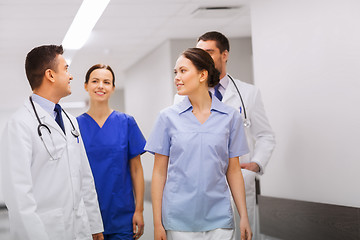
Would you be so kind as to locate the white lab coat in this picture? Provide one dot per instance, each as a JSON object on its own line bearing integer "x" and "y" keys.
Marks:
{"x": 47, "y": 199}
{"x": 260, "y": 137}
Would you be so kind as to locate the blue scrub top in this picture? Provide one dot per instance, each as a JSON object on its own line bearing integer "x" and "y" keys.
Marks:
{"x": 196, "y": 196}
{"x": 109, "y": 150}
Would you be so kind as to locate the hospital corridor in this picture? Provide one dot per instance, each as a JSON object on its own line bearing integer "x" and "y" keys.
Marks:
{"x": 125, "y": 110}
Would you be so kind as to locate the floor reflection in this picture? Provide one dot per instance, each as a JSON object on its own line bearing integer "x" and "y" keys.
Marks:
{"x": 5, "y": 232}
{"x": 4, "y": 225}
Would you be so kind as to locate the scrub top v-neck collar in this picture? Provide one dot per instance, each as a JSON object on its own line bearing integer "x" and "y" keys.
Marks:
{"x": 216, "y": 105}
{"x": 88, "y": 115}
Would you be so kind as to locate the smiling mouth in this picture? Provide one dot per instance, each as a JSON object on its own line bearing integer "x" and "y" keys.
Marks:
{"x": 100, "y": 93}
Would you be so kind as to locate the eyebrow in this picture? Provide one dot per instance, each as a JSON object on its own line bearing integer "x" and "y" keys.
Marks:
{"x": 180, "y": 67}
{"x": 105, "y": 79}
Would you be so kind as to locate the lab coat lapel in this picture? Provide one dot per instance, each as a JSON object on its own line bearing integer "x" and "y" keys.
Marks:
{"x": 231, "y": 95}
{"x": 45, "y": 118}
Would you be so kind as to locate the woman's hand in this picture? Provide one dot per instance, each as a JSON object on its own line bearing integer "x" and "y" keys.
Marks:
{"x": 159, "y": 233}
{"x": 245, "y": 229}
{"x": 98, "y": 236}
{"x": 138, "y": 224}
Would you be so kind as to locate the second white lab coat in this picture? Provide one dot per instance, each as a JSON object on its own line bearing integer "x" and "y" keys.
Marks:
{"x": 259, "y": 135}
{"x": 47, "y": 199}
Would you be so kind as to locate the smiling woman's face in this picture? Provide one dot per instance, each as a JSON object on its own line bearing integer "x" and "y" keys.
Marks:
{"x": 187, "y": 78}
{"x": 100, "y": 85}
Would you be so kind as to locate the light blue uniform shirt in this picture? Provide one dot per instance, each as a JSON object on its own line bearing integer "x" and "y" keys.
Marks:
{"x": 196, "y": 196}
{"x": 47, "y": 105}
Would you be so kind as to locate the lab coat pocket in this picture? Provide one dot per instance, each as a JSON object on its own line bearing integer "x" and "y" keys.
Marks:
{"x": 249, "y": 180}
{"x": 82, "y": 222}
{"x": 54, "y": 223}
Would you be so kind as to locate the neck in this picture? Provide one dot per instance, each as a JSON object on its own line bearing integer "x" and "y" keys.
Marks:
{"x": 49, "y": 95}
{"x": 99, "y": 109}
{"x": 201, "y": 101}
{"x": 223, "y": 73}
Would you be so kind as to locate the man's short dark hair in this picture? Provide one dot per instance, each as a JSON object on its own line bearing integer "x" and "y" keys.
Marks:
{"x": 222, "y": 42}
{"x": 38, "y": 60}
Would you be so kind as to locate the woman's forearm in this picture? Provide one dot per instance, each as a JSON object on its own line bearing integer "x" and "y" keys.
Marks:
{"x": 137, "y": 177}
{"x": 237, "y": 187}
{"x": 157, "y": 186}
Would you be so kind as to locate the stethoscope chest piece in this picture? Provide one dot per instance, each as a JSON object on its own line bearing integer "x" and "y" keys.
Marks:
{"x": 247, "y": 123}
{"x": 75, "y": 133}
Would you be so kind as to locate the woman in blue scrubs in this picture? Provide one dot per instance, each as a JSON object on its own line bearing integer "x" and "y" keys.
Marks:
{"x": 113, "y": 143}
{"x": 197, "y": 144}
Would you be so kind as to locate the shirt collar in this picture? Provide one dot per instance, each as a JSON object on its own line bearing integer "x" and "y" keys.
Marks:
{"x": 224, "y": 81}
{"x": 216, "y": 105}
{"x": 184, "y": 105}
{"x": 47, "y": 105}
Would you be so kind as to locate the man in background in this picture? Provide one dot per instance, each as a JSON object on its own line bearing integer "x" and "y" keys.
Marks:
{"x": 261, "y": 139}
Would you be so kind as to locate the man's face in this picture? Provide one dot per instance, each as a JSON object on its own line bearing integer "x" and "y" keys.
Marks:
{"x": 62, "y": 77}
{"x": 218, "y": 57}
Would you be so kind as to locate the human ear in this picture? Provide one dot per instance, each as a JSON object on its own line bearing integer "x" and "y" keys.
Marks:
{"x": 225, "y": 55}
{"x": 86, "y": 87}
{"x": 204, "y": 76}
{"x": 49, "y": 75}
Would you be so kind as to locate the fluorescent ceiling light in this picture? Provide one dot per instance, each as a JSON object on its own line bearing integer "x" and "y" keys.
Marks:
{"x": 83, "y": 23}
{"x": 217, "y": 12}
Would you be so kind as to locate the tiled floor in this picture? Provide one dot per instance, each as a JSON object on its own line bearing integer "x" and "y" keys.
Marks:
{"x": 5, "y": 233}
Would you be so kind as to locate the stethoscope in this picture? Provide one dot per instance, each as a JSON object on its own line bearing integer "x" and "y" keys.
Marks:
{"x": 41, "y": 125}
{"x": 247, "y": 122}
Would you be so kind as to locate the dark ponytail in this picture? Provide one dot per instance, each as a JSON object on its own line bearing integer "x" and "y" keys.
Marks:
{"x": 203, "y": 61}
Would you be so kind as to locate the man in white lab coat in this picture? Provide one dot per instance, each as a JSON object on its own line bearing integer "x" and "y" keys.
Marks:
{"x": 259, "y": 134}
{"x": 46, "y": 178}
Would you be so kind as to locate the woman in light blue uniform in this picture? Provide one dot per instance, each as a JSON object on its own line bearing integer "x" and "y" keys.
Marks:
{"x": 113, "y": 143}
{"x": 197, "y": 144}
